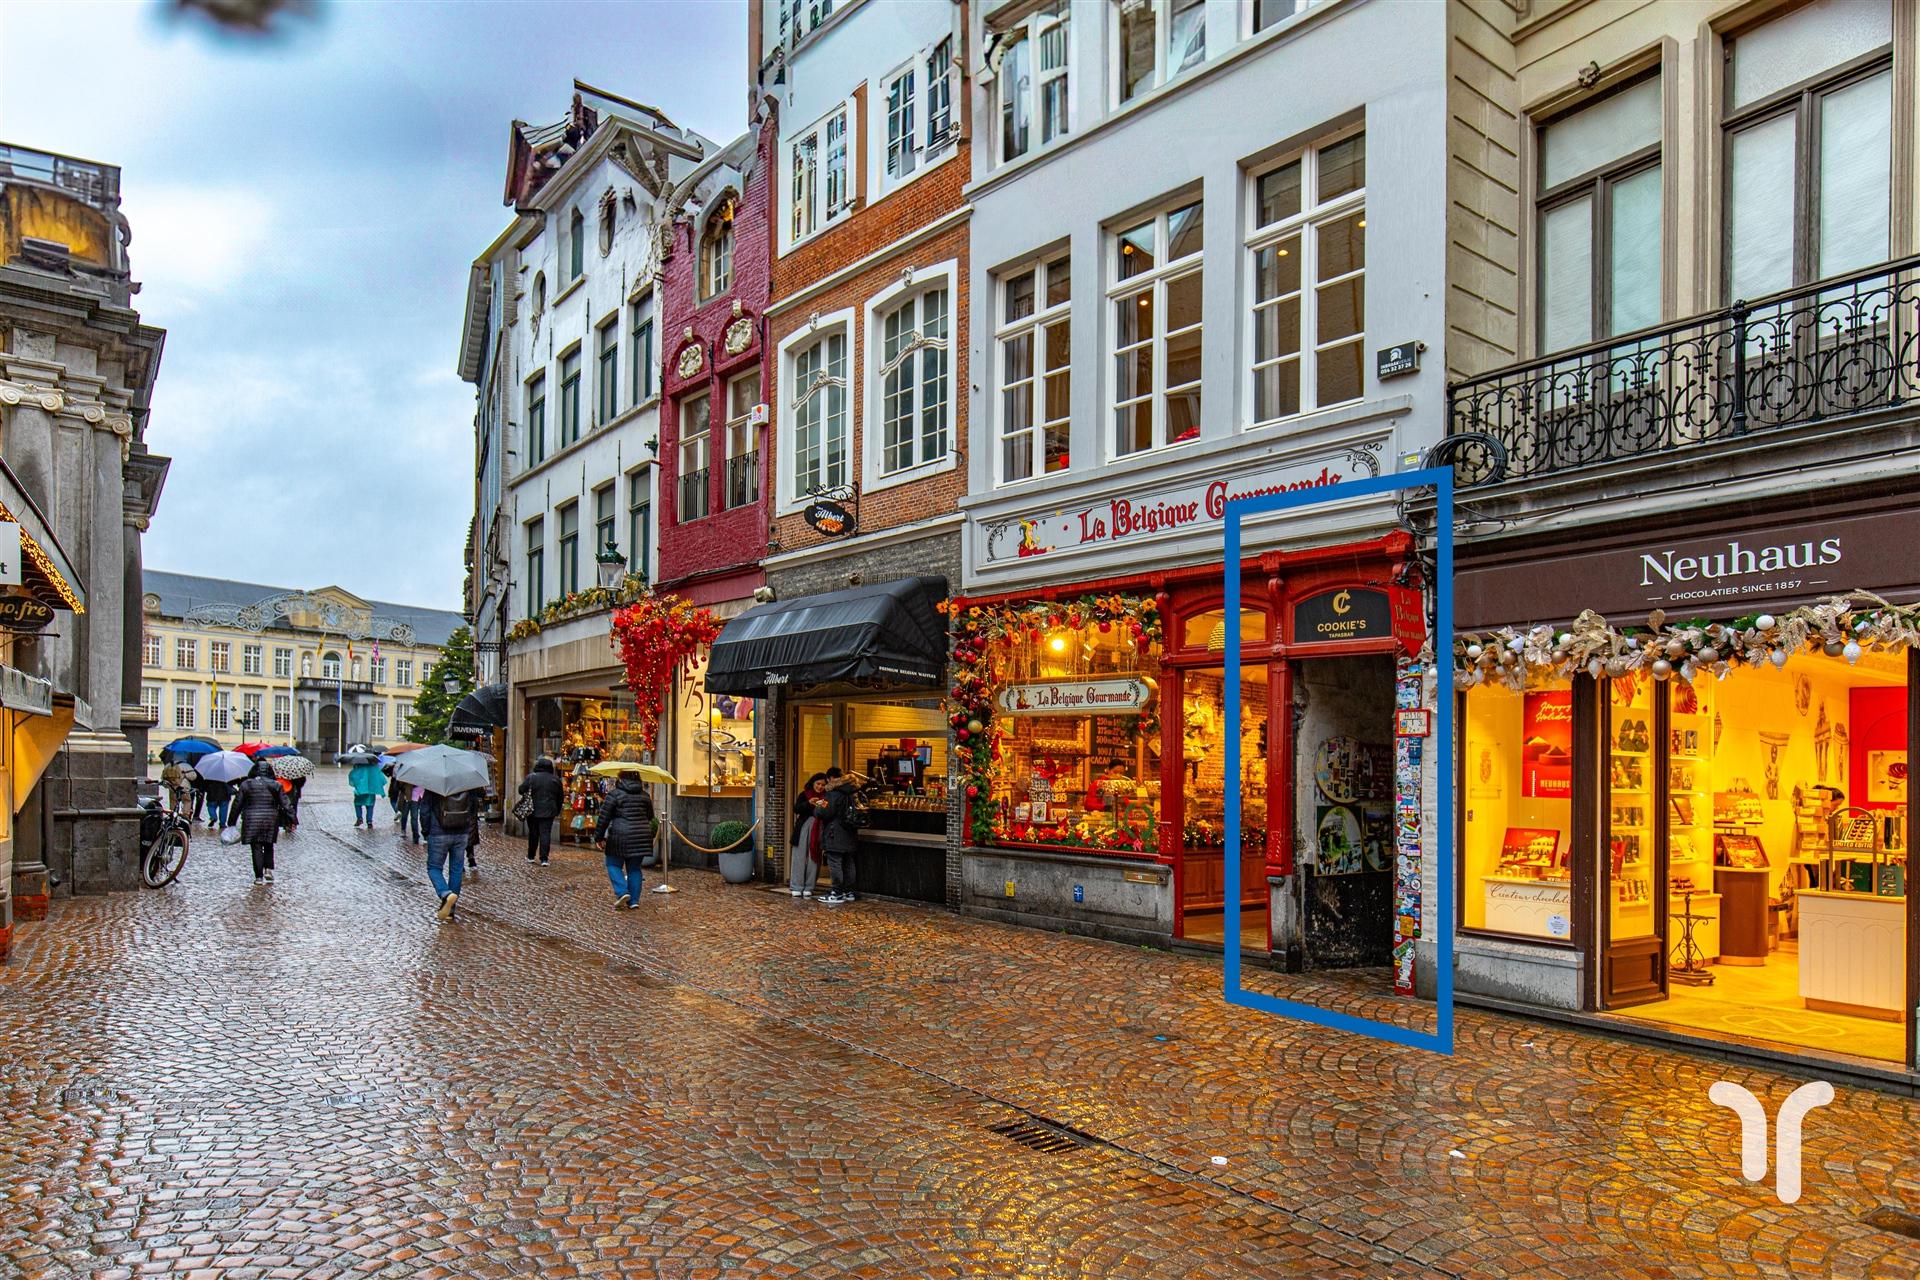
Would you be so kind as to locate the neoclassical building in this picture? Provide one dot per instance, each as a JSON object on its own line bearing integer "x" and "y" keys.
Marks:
{"x": 317, "y": 669}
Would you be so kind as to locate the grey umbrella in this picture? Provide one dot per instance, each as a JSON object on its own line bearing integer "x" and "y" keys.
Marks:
{"x": 351, "y": 758}
{"x": 445, "y": 771}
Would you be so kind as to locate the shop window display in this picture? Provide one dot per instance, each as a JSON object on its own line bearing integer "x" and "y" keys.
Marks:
{"x": 895, "y": 748}
{"x": 577, "y": 733}
{"x": 1517, "y": 758}
{"x": 714, "y": 734}
{"x": 1058, "y": 720}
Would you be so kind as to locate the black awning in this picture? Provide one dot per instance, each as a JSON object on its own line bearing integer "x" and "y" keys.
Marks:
{"x": 889, "y": 631}
{"x": 484, "y": 708}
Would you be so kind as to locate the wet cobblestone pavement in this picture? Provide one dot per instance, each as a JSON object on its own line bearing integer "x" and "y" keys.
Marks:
{"x": 316, "y": 1080}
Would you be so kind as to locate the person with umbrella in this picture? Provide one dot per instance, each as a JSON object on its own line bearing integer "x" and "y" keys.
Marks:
{"x": 174, "y": 779}
{"x": 547, "y": 795}
{"x": 451, "y": 784}
{"x": 261, "y": 810}
{"x": 368, "y": 783}
{"x": 218, "y": 772}
{"x": 625, "y": 834}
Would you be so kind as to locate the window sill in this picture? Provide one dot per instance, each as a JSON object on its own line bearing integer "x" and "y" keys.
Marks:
{"x": 877, "y": 483}
{"x": 846, "y": 212}
{"x": 928, "y": 164}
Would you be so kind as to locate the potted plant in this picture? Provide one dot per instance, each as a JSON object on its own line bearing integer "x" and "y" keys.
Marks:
{"x": 736, "y": 851}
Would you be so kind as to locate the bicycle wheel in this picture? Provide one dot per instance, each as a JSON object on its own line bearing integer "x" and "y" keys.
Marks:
{"x": 164, "y": 859}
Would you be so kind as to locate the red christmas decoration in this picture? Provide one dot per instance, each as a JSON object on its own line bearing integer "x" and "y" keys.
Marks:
{"x": 653, "y": 636}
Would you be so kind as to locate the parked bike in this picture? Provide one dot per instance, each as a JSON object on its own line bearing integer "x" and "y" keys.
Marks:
{"x": 163, "y": 843}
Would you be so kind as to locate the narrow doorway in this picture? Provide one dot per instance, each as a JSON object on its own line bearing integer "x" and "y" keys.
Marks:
{"x": 1343, "y": 818}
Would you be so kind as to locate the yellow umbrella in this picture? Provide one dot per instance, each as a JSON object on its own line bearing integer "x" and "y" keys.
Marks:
{"x": 647, "y": 772}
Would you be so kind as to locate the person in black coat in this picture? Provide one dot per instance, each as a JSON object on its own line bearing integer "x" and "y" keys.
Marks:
{"x": 549, "y": 796}
{"x": 219, "y": 795}
{"x": 837, "y": 838}
{"x": 261, "y": 809}
{"x": 625, "y": 834}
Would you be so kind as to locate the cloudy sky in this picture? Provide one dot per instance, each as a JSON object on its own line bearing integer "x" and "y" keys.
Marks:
{"x": 304, "y": 212}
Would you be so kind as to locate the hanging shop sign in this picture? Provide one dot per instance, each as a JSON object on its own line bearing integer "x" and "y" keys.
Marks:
{"x": 1127, "y": 697}
{"x": 830, "y": 518}
{"x": 1139, "y": 517}
{"x": 1409, "y": 610}
{"x": 24, "y": 613}
{"x": 10, "y": 554}
{"x": 1719, "y": 576}
{"x": 1350, "y": 613}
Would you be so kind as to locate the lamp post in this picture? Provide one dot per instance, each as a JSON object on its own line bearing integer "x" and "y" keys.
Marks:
{"x": 610, "y": 564}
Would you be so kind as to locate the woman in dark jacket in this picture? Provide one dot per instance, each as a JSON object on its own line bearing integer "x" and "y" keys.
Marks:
{"x": 803, "y": 845}
{"x": 625, "y": 834}
{"x": 837, "y": 837}
{"x": 260, "y": 806}
{"x": 548, "y": 794}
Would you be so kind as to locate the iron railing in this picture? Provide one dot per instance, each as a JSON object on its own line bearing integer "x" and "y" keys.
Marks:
{"x": 1841, "y": 348}
{"x": 743, "y": 479}
{"x": 97, "y": 184}
{"x": 694, "y": 498}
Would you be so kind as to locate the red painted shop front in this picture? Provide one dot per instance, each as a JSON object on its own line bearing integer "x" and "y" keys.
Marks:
{"x": 1105, "y": 728}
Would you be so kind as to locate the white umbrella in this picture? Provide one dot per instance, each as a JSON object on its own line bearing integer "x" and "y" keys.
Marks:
{"x": 444, "y": 771}
{"x": 224, "y": 766}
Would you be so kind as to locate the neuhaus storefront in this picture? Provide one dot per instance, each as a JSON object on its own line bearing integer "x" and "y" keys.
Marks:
{"x": 1092, "y": 723}
{"x": 1682, "y": 778}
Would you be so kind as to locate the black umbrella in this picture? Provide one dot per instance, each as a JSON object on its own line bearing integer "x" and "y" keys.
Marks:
{"x": 484, "y": 708}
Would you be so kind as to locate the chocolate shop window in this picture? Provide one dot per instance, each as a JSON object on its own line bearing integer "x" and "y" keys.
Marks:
{"x": 1517, "y": 810}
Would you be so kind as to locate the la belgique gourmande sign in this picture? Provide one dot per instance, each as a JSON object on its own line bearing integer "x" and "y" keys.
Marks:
{"x": 1142, "y": 515}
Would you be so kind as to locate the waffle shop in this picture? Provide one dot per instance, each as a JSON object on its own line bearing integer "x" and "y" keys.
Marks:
{"x": 1093, "y": 721}
{"x": 1709, "y": 837}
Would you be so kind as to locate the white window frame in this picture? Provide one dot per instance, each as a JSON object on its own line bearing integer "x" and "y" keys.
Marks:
{"x": 403, "y": 673}
{"x": 1157, "y": 279}
{"x": 943, "y": 276}
{"x": 694, "y": 456}
{"x": 282, "y": 713}
{"x": 1162, "y": 34}
{"x": 816, "y": 192}
{"x": 220, "y": 657}
{"x": 740, "y": 429}
{"x": 1303, "y": 224}
{"x": 188, "y": 648}
{"x": 282, "y": 663}
{"x": 402, "y": 717}
{"x": 153, "y": 650}
{"x": 150, "y": 701}
{"x": 377, "y": 670}
{"x": 1029, "y": 32}
{"x": 186, "y": 706}
{"x": 1035, "y": 326}
{"x": 253, "y": 659}
{"x": 791, "y": 497}
{"x": 903, "y": 131}
{"x": 377, "y": 719}
{"x": 250, "y": 706}
{"x": 220, "y": 711}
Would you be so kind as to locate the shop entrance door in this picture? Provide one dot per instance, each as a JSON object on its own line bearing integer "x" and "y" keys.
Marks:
{"x": 1203, "y": 783}
{"x": 1633, "y": 857}
{"x": 1343, "y": 813}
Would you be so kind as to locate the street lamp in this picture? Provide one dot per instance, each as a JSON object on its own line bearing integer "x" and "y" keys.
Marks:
{"x": 451, "y": 683}
{"x": 610, "y": 564}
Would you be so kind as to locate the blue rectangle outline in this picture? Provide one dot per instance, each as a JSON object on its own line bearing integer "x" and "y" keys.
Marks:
{"x": 1441, "y": 1039}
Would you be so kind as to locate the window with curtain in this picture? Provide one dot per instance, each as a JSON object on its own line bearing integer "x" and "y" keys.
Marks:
{"x": 1809, "y": 151}
{"x": 1309, "y": 256}
{"x": 1035, "y": 345}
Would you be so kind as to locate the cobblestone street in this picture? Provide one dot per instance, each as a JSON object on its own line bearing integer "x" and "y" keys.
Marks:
{"x": 317, "y": 1080}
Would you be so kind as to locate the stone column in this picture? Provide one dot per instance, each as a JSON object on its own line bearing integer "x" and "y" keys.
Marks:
{"x": 30, "y": 452}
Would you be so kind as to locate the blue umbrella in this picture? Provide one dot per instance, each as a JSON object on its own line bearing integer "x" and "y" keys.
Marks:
{"x": 189, "y": 749}
{"x": 269, "y": 753}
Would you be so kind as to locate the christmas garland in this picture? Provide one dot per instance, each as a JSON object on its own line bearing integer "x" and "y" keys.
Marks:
{"x": 575, "y": 603}
{"x": 653, "y": 636}
{"x": 1840, "y": 627}
{"x": 980, "y": 635}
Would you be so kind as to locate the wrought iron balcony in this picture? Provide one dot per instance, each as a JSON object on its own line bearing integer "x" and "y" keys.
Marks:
{"x": 96, "y": 184}
{"x": 1845, "y": 347}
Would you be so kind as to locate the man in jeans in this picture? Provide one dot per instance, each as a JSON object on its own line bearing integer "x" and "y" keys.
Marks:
{"x": 448, "y": 822}
{"x": 838, "y": 839}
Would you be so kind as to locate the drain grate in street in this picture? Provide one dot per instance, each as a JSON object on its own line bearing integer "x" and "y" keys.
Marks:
{"x": 1043, "y": 1136}
{"x": 1898, "y": 1221}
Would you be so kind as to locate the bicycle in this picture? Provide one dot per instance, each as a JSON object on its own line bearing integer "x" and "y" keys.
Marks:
{"x": 163, "y": 844}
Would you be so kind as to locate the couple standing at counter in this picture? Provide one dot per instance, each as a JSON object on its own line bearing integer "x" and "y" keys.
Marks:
{"x": 824, "y": 821}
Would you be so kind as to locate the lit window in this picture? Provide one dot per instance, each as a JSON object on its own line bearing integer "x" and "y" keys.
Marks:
{"x": 1156, "y": 299}
{"x": 220, "y": 656}
{"x": 1035, "y": 344}
{"x": 1309, "y": 280}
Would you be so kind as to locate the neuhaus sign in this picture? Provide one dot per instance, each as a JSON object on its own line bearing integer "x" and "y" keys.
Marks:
{"x": 1717, "y": 576}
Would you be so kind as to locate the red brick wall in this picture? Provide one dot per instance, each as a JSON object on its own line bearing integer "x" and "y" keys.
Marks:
{"x": 726, "y": 538}
{"x": 914, "y": 206}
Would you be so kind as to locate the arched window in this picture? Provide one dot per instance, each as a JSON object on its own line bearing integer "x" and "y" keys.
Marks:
{"x": 330, "y": 665}
{"x": 539, "y": 292}
{"x": 607, "y": 203}
{"x": 576, "y": 246}
{"x": 716, "y": 253}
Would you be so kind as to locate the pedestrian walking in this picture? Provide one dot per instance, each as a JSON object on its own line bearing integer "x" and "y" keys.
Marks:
{"x": 294, "y": 787}
{"x": 219, "y": 794}
{"x": 803, "y": 857}
{"x": 261, "y": 810}
{"x": 838, "y": 837}
{"x": 197, "y": 786}
{"x": 416, "y": 822}
{"x": 548, "y": 795}
{"x": 625, "y": 834}
{"x": 367, "y": 782}
{"x": 286, "y": 789}
{"x": 449, "y": 821}
{"x": 397, "y": 797}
